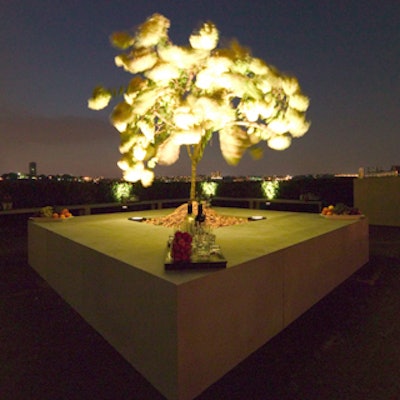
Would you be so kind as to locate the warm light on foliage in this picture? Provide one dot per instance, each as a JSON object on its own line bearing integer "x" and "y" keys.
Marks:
{"x": 182, "y": 95}
{"x": 209, "y": 189}
{"x": 270, "y": 189}
{"x": 121, "y": 190}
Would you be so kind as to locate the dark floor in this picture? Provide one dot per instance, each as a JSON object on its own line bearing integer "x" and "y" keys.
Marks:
{"x": 345, "y": 347}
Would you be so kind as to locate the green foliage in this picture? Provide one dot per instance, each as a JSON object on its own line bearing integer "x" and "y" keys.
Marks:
{"x": 208, "y": 189}
{"x": 35, "y": 193}
{"x": 163, "y": 190}
{"x": 245, "y": 189}
{"x": 330, "y": 190}
{"x": 270, "y": 189}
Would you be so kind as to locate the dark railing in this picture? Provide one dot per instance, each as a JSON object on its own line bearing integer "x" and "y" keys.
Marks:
{"x": 87, "y": 209}
{"x": 274, "y": 204}
{"x": 251, "y": 203}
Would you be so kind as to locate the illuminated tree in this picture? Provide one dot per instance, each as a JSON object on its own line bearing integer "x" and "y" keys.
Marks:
{"x": 183, "y": 95}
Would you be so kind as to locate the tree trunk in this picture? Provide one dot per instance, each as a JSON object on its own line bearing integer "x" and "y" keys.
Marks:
{"x": 193, "y": 179}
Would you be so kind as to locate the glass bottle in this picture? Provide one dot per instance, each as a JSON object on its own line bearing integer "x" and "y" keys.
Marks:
{"x": 200, "y": 217}
{"x": 201, "y": 243}
{"x": 189, "y": 219}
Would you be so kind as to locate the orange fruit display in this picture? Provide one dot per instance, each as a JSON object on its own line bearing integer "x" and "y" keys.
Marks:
{"x": 66, "y": 213}
{"x": 327, "y": 210}
{"x": 340, "y": 209}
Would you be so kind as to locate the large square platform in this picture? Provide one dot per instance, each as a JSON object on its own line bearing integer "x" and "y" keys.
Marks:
{"x": 183, "y": 330}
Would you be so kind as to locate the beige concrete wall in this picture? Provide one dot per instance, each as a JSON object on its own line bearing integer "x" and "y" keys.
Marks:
{"x": 224, "y": 317}
{"x": 133, "y": 310}
{"x": 379, "y": 199}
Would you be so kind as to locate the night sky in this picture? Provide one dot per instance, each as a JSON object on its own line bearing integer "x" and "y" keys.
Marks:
{"x": 346, "y": 55}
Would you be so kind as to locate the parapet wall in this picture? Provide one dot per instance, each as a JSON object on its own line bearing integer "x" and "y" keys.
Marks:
{"x": 379, "y": 199}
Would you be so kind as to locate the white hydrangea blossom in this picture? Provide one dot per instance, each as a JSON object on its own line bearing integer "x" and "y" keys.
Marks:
{"x": 279, "y": 142}
{"x": 147, "y": 178}
{"x": 258, "y": 67}
{"x": 219, "y": 64}
{"x": 163, "y": 72}
{"x": 126, "y": 145}
{"x": 290, "y": 85}
{"x": 182, "y": 95}
{"x": 138, "y": 172}
{"x": 206, "y": 39}
{"x": 184, "y": 118}
{"x": 141, "y": 60}
{"x": 299, "y": 102}
{"x": 123, "y": 164}
{"x": 121, "y": 116}
{"x": 139, "y": 152}
{"x": 279, "y": 126}
{"x": 100, "y": 99}
{"x": 180, "y": 57}
{"x": 152, "y": 31}
{"x": 188, "y": 136}
{"x": 298, "y": 126}
{"x": 206, "y": 80}
{"x": 254, "y": 109}
{"x": 145, "y": 100}
{"x": 147, "y": 129}
{"x": 168, "y": 153}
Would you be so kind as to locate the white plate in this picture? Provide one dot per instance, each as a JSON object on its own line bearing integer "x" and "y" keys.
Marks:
{"x": 137, "y": 219}
{"x": 256, "y": 217}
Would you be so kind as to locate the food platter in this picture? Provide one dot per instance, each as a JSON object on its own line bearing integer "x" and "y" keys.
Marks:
{"x": 49, "y": 214}
{"x": 213, "y": 261}
{"x": 49, "y": 219}
{"x": 343, "y": 216}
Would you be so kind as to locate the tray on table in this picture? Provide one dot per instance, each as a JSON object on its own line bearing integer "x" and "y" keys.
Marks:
{"x": 215, "y": 260}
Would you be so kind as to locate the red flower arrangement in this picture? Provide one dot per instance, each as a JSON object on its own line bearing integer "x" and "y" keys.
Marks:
{"x": 181, "y": 247}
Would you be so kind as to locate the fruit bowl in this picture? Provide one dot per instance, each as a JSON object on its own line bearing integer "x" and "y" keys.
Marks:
{"x": 341, "y": 211}
{"x": 47, "y": 214}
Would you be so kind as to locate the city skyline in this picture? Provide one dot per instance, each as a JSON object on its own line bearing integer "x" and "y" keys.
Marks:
{"x": 33, "y": 171}
{"x": 344, "y": 55}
